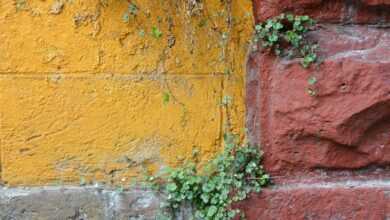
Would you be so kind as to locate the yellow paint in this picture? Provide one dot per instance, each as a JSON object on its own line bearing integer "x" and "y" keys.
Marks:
{"x": 89, "y": 95}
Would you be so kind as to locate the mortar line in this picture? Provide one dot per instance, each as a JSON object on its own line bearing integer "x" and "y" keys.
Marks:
{"x": 355, "y": 184}
{"x": 375, "y": 183}
{"x": 10, "y": 192}
{"x": 107, "y": 74}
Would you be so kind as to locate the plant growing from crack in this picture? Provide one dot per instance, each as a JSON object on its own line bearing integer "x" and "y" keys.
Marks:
{"x": 285, "y": 35}
{"x": 211, "y": 191}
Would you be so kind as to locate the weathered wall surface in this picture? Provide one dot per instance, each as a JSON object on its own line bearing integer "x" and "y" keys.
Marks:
{"x": 325, "y": 130}
{"x": 77, "y": 203}
{"x": 95, "y": 91}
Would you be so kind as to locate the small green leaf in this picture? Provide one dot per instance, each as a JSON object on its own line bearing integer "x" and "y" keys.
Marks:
{"x": 171, "y": 187}
{"x": 156, "y": 33}
{"x": 277, "y": 26}
{"x": 166, "y": 98}
{"x": 205, "y": 197}
{"x": 273, "y": 37}
{"x": 211, "y": 211}
{"x": 305, "y": 18}
{"x": 290, "y": 17}
{"x": 308, "y": 59}
{"x": 269, "y": 24}
{"x": 312, "y": 80}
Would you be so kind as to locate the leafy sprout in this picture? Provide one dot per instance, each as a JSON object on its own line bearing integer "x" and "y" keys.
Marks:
{"x": 211, "y": 191}
{"x": 156, "y": 33}
{"x": 285, "y": 36}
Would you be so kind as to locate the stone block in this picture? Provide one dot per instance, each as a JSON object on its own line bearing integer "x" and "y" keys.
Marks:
{"x": 322, "y": 201}
{"x": 71, "y": 129}
{"x": 327, "y": 11}
{"x": 334, "y": 115}
{"x": 78, "y": 203}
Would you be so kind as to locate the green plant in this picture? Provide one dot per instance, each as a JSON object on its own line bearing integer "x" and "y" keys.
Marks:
{"x": 166, "y": 98}
{"x": 131, "y": 12}
{"x": 156, "y": 33}
{"x": 311, "y": 90}
{"x": 285, "y": 36}
{"x": 229, "y": 178}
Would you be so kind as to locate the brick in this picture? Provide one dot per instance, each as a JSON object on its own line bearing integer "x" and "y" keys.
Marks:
{"x": 325, "y": 11}
{"x": 322, "y": 201}
{"x": 85, "y": 37}
{"x": 79, "y": 203}
{"x": 66, "y": 129}
{"x": 346, "y": 124}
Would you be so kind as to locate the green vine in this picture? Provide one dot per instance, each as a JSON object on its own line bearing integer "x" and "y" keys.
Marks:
{"x": 285, "y": 36}
{"x": 210, "y": 192}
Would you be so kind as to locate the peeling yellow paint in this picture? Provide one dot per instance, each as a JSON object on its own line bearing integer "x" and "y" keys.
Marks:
{"x": 83, "y": 90}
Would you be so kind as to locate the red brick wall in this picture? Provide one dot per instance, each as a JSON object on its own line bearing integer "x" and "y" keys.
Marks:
{"x": 329, "y": 154}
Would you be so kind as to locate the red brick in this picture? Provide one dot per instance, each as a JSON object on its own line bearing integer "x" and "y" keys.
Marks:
{"x": 320, "y": 202}
{"x": 376, "y": 2}
{"x": 346, "y": 125}
{"x": 328, "y": 154}
{"x": 334, "y": 11}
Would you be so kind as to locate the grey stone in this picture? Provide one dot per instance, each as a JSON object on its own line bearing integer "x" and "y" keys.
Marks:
{"x": 78, "y": 203}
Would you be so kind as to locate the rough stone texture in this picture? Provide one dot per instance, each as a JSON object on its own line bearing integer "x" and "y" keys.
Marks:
{"x": 347, "y": 123}
{"x": 87, "y": 93}
{"x": 331, "y": 201}
{"x": 334, "y": 11}
{"x": 329, "y": 152}
{"x": 69, "y": 129}
{"x": 78, "y": 203}
{"x": 96, "y": 38}
{"x": 320, "y": 201}
{"x": 135, "y": 205}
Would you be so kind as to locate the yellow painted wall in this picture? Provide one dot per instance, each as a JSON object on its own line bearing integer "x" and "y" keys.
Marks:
{"x": 88, "y": 93}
